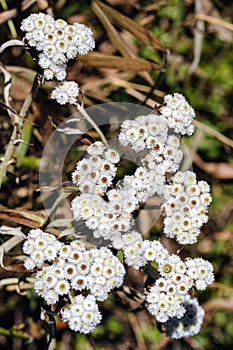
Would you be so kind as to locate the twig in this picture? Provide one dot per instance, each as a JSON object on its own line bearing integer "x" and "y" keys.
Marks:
{"x": 198, "y": 38}
{"x": 7, "y": 246}
{"x": 62, "y": 196}
{"x": 95, "y": 126}
{"x": 8, "y": 154}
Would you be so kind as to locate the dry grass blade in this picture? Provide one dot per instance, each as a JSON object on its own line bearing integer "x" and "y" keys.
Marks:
{"x": 13, "y": 231}
{"x": 100, "y": 60}
{"x": 113, "y": 35}
{"x": 219, "y": 170}
{"x": 198, "y": 38}
{"x": 6, "y": 92}
{"x": 117, "y": 41}
{"x": 6, "y": 15}
{"x": 214, "y": 133}
{"x": 141, "y": 33}
{"x": 7, "y": 246}
{"x": 214, "y": 20}
{"x": 23, "y": 217}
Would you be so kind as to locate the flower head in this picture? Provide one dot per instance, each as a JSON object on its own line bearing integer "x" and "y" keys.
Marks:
{"x": 179, "y": 114}
{"x": 56, "y": 41}
{"x": 66, "y": 92}
{"x": 82, "y": 315}
{"x": 189, "y": 324}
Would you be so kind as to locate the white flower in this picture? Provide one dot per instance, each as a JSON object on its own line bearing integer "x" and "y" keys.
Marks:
{"x": 162, "y": 305}
{"x": 56, "y": 40}
{"x": 185, "y": 207}
{"x": 201, "y": 271}
{"x": 29, "y": 264}
{"x": 104, "y": 268}
{"x": 179, "y": 113}
{"x": 40, "y": 246}
{"x": 65, "y": 92}
{"x": 82, "y": 315}
{"x": 189, "y": 324}
{"x": 62, "y": 287}
{"x": 79, "y": 282}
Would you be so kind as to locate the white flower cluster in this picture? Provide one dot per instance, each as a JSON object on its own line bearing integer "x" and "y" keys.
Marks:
{"x": 144, "y": 132}
{"x": 166, "y": 159}
{"x": 144, "y": 183}
{"x": 185, "y": 208}
{"x": 95, "y": 173}
{"x": 66, "y": 92}
{"x": 107, "y": 207}
{"x": 96, "y": 270}
{"x": 40, "y": 246}
{"x": 105, "y": 218}
{"x": 74, "y": 269}
{"x": 138, "y": 252}
{"x": 94, "y": 176}
{"x": 106, "y": 273}
{"x": 57, "y": 42}
{"x": 189, "y": 324}
{"x": 153, "y": 133}
{"x": 82, "y": 315}
{"x": 201, "y": 271}
{"x": 178, "y": 113}
{"x": 167, "y": 296}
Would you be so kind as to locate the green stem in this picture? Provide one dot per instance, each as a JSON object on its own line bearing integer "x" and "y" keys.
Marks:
{"x": 14, "y": 333}
{"x": 9, "y": 22}
{"x": 95, "y": 126}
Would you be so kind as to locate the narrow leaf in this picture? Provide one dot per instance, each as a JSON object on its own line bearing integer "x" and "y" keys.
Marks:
{"x": 26, "y": 136}
{"x": 12, "y": 231}
{"x": 100, "y": 60}
{"x": 6, "y": 91}
{"x": 70, "y": 131}
{"x": 113, "y": 35}
{"x": 141, "y": 33}
{"x": 23, "y": 217}
{"x": 117, "y": 41}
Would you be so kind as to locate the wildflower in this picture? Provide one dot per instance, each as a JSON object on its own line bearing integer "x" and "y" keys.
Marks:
{"x": 66, "y": 92}
{"x": 164, "y": 306}
{"x": 95, "y": 173}
{"x": 185, "y": 207}
{"x": 189, "y": 324}
{"x": 40, "y": 246}
{"x": 104, "y": 268}
{"x": 82, "y": 315}
{"x": 56, "y": 42}
{"x": 179, "y": 114}
{"x": 49, "y": 285}
{"x": 201, "y": 271}
{"x": 144, "y": 132}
